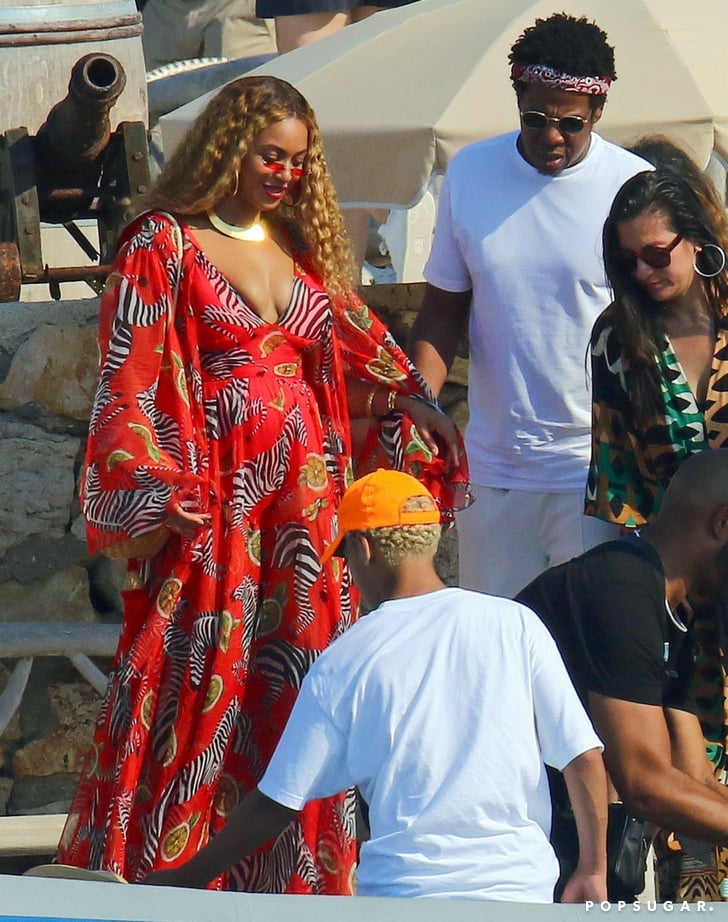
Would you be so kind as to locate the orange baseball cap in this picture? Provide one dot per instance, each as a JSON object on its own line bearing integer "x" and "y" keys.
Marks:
{"x": 383, "y": 499}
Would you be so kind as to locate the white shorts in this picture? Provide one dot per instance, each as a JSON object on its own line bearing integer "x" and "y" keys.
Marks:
{"x": 507, "y": 537}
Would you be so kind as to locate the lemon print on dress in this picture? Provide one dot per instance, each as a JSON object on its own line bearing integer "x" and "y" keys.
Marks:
{"x": 147, "y": 710}
{"x": 214, "y": 690}
{"x": 327, "y": 849}
{"x": 181, "y": 382}
{"x": 254, "y": 546}
{"x": 226, "y": 796}
{"x": 116, "y": 457}
{"x": 416, "y": 445}
{"x": 176, "y": 840}
{"x": 383, "y": 367}
{"x": 227, "y": 626}
{"x": 314, "y": 473}
{"x": 360, "y": 318}
{"x": 270, "y": 615}
{"x": 286, "y": 369}
{"x": 168, "y": 596}
{"x": 311, "y": 513}
{"x": 271, "y": 342}
{"x": 278, "y": 402}
{"x": 146, "y": 435}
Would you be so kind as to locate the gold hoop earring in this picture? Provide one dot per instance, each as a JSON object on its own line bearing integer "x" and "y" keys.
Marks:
{"x": 237, "y": 180}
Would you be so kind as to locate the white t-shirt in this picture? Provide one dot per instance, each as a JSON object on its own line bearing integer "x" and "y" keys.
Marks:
{"x": 442, "y": 708}
{"x": 529, "y": 246}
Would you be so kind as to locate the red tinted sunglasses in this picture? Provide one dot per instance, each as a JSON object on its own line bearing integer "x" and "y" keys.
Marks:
{"x": 278, "y": 166}
{"x": 654, "y": 256}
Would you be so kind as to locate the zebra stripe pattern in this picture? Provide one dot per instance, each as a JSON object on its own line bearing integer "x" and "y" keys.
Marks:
{"x": 280, "y": 664}
{"x": 271, "y": 871}
{"x": 244, "y": 744}
{"x": 204, "y": 769}
{"x": 143, "y": 509}
{"x": 176, "y": 648}
{"x": 293, "y": 550}
{"x": 205, "y": 633}
{"x": 263, "y": 476}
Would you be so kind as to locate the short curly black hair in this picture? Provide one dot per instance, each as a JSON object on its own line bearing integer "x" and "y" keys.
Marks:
{"x": 569, "y": 44}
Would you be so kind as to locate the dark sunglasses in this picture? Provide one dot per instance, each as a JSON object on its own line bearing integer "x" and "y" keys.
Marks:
{"x": 567, "y": 124}
{"x": 654, "y": 256}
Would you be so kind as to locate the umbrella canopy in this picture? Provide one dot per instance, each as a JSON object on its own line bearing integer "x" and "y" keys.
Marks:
{"x": 399, "y": 93}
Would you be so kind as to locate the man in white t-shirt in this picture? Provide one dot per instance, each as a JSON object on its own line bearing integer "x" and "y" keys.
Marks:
{"x": 441, "y": 706}
{"x": 518, "y": 234}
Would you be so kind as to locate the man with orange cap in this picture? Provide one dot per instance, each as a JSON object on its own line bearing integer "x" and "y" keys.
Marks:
{"x": 442, "y": 706}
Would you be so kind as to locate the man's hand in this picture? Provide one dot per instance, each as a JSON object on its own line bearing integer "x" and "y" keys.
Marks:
{"x": 432, "y": 424}
{"x": 586, "y": 782}
{"x": 657, "y": 761}
{"x": 581, "y": 887}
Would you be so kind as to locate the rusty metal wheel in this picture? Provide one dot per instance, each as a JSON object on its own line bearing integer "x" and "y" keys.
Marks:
{"x": 11, "y": 272}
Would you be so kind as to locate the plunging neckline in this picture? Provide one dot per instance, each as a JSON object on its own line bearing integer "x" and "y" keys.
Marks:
{"x": 700, "y": 405}
{"x": 297, "y": 273}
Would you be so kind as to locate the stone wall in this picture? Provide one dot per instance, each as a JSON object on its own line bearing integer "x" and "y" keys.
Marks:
{"x": 48, "y": 366}
{"x": 48, "y": 361}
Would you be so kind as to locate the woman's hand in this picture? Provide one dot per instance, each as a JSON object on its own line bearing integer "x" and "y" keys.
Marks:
{"x": 433, "y": 425}
{"x": 183, "y": 522}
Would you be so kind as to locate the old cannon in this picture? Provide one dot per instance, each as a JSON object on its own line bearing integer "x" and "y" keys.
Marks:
{"x": 73, "y": 169}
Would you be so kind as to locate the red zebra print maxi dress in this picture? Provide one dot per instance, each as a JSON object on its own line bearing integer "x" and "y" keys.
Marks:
{"x": 204, "y": 402}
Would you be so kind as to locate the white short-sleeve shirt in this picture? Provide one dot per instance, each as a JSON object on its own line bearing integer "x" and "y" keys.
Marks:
{"x": 442, "y": 709}
{"x": 529, "y": 246}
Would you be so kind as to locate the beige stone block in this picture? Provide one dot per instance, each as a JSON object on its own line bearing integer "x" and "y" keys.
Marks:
{"x": 62, "y": 597}
{"x": 62, "y": 752}
{"x": 36, "y": 482}
{"x": 57, "y": 368}
{"x": 74, "y": 705}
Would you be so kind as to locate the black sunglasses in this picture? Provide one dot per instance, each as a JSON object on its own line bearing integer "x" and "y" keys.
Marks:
{"x": 654, "y": 256}
{"x": 567, "y": 124}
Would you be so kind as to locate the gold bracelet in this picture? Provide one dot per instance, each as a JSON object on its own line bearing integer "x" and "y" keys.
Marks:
{"x": 391, "y": 400}
{"x": 370, "y": 402}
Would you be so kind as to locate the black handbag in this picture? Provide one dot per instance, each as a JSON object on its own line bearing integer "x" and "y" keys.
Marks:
{"x": 628, "y": 843}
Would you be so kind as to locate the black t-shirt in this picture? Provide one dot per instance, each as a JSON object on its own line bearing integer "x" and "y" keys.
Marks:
{"x": 606, "y": 609}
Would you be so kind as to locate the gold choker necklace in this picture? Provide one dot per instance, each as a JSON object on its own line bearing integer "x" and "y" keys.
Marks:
{"x": 253, "y": 232}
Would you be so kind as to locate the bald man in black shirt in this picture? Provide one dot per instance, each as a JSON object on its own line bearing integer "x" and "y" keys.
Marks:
{"x": 620, "y": 617}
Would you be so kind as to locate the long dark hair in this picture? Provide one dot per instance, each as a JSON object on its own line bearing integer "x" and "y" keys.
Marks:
{"x": 691, "y": 207}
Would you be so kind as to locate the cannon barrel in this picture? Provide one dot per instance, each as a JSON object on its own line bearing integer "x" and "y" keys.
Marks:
{"x": 70, "y": 146}
{"x": 78, "y": 127}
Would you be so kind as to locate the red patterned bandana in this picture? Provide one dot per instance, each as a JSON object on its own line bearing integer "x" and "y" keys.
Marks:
{"x": 548, "y": 76}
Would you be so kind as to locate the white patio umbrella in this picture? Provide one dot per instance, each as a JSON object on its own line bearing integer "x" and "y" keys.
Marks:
{"x": 399, "y": 93}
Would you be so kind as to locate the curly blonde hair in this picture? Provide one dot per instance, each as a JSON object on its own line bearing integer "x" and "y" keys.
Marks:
{"x": 203, "y": 170}
{"x": 398, "y": 542}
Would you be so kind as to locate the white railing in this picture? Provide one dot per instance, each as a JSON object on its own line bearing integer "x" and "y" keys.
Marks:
{"x": 38, "y": 834}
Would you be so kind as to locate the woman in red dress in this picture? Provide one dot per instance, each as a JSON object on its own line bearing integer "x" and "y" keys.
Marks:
{"x": 234, "y": 356}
